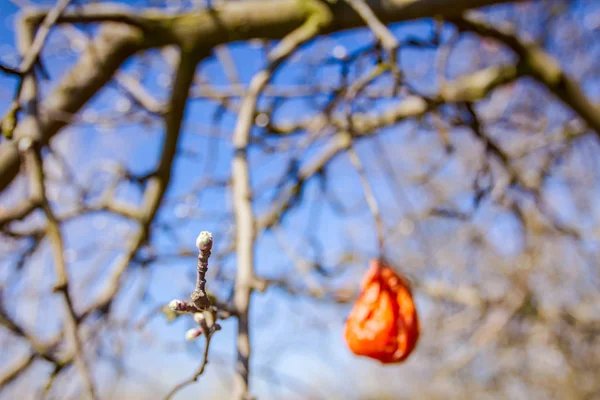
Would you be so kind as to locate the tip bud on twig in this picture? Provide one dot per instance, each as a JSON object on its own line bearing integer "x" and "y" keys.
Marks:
{"x": 204, "y": 241}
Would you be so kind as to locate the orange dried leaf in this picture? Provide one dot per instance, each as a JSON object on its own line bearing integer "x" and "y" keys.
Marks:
{"x": 383, "y": 323}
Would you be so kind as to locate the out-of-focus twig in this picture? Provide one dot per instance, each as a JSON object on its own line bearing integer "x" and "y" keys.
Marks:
{"x": 370, "y": 198}
{"x": 242, "y": 198}
{"x": 536, "y": 62}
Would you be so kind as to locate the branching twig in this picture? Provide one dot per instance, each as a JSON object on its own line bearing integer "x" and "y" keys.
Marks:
{"x": 116, "y": 43}
{"x": 29, "y": 61}
{"x": 384, "y": 35}
{"x": 30, "y": 147}
{"x": 158, "y": 183}
{"x": 207, "y": 316}
{"x": 537, "y": 63}
{"x": 54, "y": 234}
{"x": 40, "y": 38}
{"x": 198, "y": 372}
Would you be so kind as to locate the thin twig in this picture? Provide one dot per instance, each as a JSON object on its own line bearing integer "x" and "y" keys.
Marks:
{"x": 370, "y": 198}
{"x": 158, "y": 183}
{"x": 384, "y": 36}
{"x": 40, "y": 38}
{"x": 54, "y": 235}
{"x": 199, "y": 371}
{"x": 30, "y": 58}
{"x": 540, "y": 65}
{"x": 17, "y": 369}
{"x": 199, "y": 296}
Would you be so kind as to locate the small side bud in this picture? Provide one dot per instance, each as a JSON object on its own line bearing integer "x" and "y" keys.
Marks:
{"x": 178, "y": 305}
{"x": 210, "y": 318}
{"x": 198, "y": 318}
{"x": 193, "y": 334}
{"x": 9, "y": 122}
{"x": 25, "y": 144}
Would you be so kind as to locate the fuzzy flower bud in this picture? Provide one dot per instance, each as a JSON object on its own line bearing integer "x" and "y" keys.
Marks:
{"x": 198, "y": 318}
{"x": 178, "y": 305}
{"x": 193, "y": 333}
{"x": 204, "y": 241}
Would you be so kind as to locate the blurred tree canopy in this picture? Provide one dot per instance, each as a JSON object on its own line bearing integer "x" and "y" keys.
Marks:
{"x": 461, "y": 133}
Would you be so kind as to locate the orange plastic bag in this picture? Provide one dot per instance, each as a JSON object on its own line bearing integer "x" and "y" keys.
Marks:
{"x": 383, "y": 323}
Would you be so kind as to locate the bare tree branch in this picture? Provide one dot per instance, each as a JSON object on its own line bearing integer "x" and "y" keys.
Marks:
{"x": 536, "y": 62}
{"x": 40, "y": 38}
{"x": 132, "y": 32}
{"x": 370, "y": 198}
{"x": 54, "y": 235}
{"x": 159, "y": 182}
